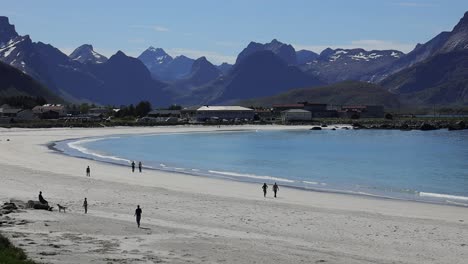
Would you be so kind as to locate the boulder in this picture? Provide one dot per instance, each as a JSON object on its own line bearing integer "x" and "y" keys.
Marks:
{"x": 316, "y": 128}
{"x": 427, "y": 127}
{"x": 38, "y": 205}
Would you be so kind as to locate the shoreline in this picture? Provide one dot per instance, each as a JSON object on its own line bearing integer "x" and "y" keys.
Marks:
{"x": 201, "y": 219}
{"x": 431, "y": 198}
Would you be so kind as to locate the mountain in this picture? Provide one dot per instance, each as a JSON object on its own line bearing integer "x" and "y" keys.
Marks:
{"x": 336, "y": 65}
{"x": 284, "y": 51}
{"x": 441, "y": 80}
{"x": 178, "y": 68}
{"x": 202, "y": 72}
{"x": 124, "y": 77}
{"x": 14, "y": 82}
{"x": 155, "y": 59}
{"x": 343, "y": 93}
{"x": 305, "y": 56}
{"x": 457, "y": 39}
{"x": 225, "y": 67}
{"x": 164, "y": 67}
{"x": 75, "y": 81}
{"x": 86, "y": 54}
{"x": 261, "y": 74}
{"x": 7, "y": 31}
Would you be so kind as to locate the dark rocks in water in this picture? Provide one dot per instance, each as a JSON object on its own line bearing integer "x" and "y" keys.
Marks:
{"x": 316, "y": 128}
{"x": 460, "y": 125}
{"x": 427, "y": 127}
{"x": 333, "y": 129}
{"x": 405, "y": 127}
{"x": 324, "y": 125}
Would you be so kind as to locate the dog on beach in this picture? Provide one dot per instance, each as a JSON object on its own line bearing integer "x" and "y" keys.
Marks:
{"x": 61, "y": 207}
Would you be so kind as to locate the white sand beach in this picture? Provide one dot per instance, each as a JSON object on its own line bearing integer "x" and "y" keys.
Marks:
{"x": 192, "y": 219}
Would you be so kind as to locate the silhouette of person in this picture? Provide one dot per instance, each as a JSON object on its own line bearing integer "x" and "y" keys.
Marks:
{"x": 85, "y": 205}
{"x": 264, "y": 187}
{"x": 140, "y": 166}
{"x": 275, "y": 188}
{"x": 42, "y": 200}
{"x": 138, "y": 215}
{"x": 88, "y": 172}
{"x": 133, "y": 166}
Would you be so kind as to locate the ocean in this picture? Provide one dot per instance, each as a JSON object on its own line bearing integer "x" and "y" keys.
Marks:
{"x": 430, "y": 166}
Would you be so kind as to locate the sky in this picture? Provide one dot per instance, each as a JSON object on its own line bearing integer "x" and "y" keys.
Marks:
{"x": 220, "y": 29}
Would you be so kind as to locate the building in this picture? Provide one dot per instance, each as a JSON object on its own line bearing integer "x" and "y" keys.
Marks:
{"x": 279, "y": 108}
{"x": 49, "y": 111}
{"x": 295, "y": 115}
{"x": 189, "y": 113}
{"x": 9, "y": 114}
{"x": 362, "y": 111}
{"x": 231, "y": 113}
{"x": 99, "y": 110}
{"x": 164, "y": 113}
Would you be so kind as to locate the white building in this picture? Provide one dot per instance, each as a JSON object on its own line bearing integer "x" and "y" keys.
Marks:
{"x": 295, "y": 115}
{"x": 205, "y": 113}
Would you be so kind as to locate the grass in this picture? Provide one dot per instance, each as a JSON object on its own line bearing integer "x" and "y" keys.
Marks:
{"x": 9, "y": 254}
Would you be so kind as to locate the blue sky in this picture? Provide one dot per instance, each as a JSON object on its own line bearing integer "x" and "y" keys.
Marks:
{"x": 220, "y": 29}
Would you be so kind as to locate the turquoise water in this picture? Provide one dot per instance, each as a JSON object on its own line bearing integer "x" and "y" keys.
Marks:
{"x": 416, "y": 165}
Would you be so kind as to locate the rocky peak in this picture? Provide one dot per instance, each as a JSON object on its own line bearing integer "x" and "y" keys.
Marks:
{"x": 86, "y": 54}
{"x": 7, "y": 31}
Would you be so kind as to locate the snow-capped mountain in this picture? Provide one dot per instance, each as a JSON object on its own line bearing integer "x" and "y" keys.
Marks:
{"x": 334, "y": 65}
{"x": 164, "y": 67}
{"x": 86, "y": 54}
{"x": 154, "y": 58}
{"x": 123, "y": 80}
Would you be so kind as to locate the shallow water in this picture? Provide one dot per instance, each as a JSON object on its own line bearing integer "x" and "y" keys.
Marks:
{"x": 416, "y": 165}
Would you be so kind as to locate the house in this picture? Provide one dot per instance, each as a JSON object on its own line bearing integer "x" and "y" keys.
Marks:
{"x": 295, "y": 115}
{"x": 164, "y": 113}
{"x": 9, "y": 114}
{"x": 189, "y": 113}
{"x": 316, "y": 109}
{"x": 98, "y": 111}
{"x": 49, "y": 111}
{"x": 278, "y": 108}
{"x": 230, "y": 113}
{"x": 362, "y": 111}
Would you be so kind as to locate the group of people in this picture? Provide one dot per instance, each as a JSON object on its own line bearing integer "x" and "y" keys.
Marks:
{"x": 140, "y": 168}
{"x": 265, "y": 188}
{"x": 138, "y": 211}
{"x": 44, "y": 202}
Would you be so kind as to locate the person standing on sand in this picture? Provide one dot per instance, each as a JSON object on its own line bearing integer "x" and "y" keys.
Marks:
{"x": 88, "y": 172}
{"x": 275, "y": 188}
{"x": 133, "y": 166}
{"x": 140, "y": 166}
{"x": 264, "y": 187}
{"x": 138, "y": 215}
{"x": 85, "y": 205}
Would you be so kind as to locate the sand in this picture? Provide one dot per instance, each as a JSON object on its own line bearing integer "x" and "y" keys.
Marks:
{"x": 190, "y": 219}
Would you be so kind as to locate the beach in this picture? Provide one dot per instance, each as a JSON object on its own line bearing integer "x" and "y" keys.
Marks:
{"x": 205, "y": 220}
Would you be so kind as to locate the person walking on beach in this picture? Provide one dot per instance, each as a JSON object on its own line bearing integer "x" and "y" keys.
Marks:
{"x": 88, "y": 172}
{"x": 85, "y": 205}
{"x": 264, "y": 187}
{"x": 275, "y": 188}
{"x": 140, "y": 166}
{"x": 42, "y": 200}
{"x": 133, "y": 166}
{"x": 138, "y": 215}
